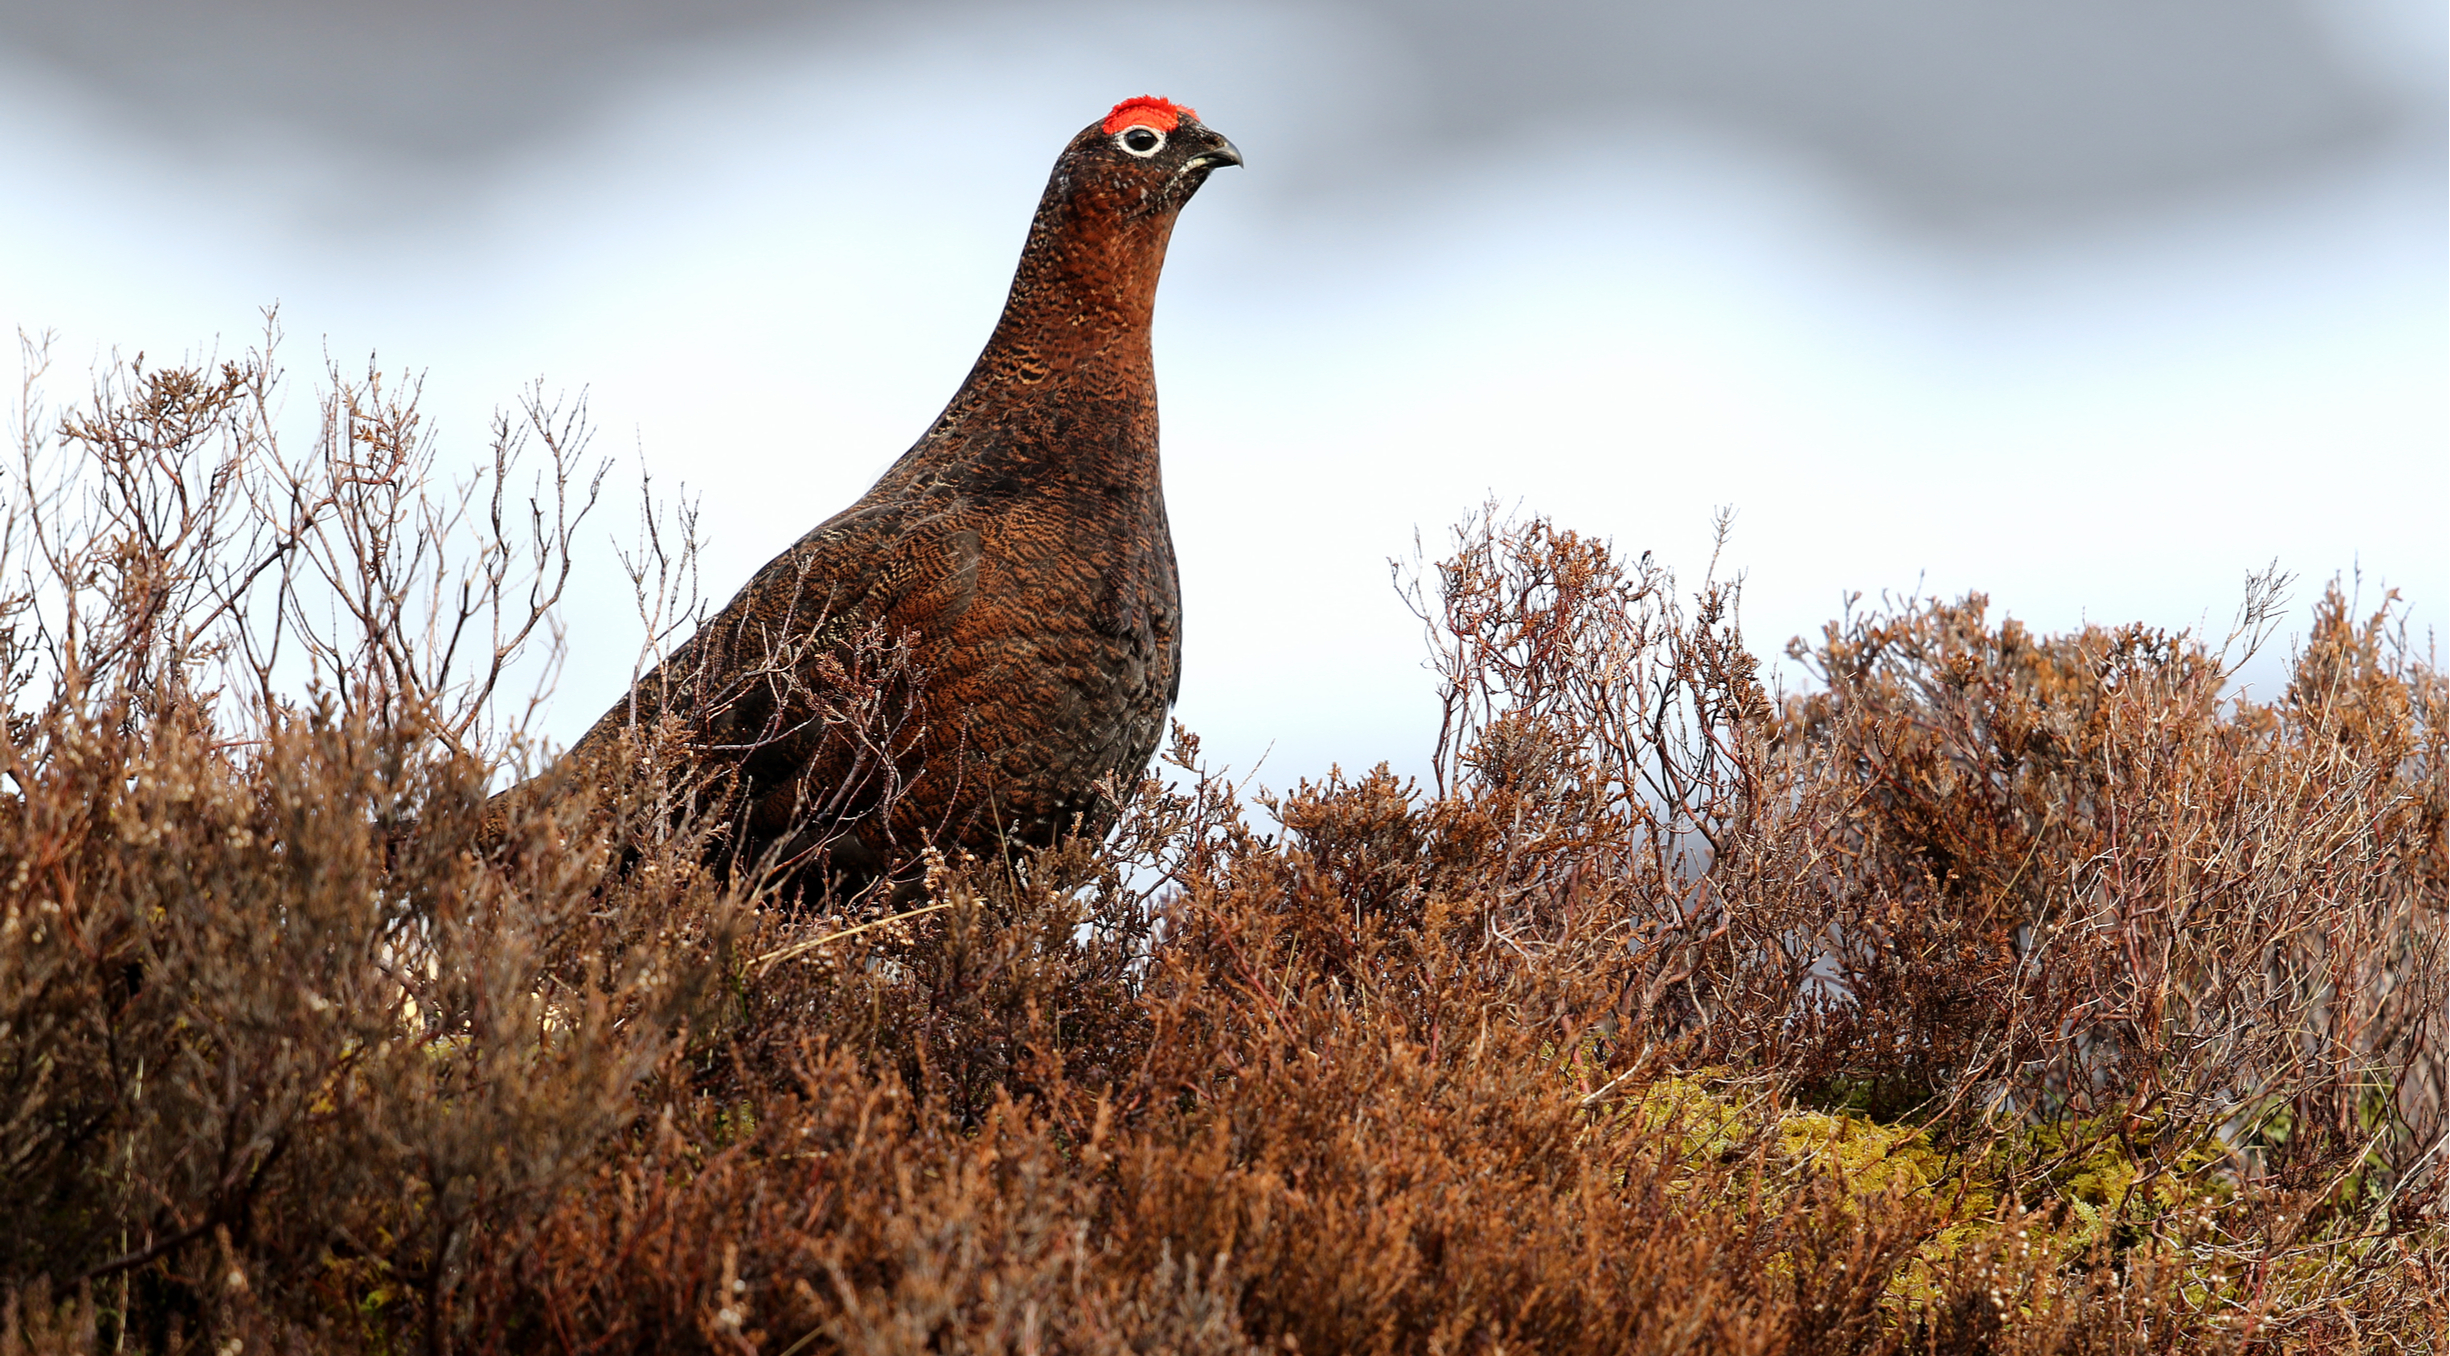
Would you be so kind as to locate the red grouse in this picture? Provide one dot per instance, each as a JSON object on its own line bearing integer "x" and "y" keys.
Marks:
{"x": 962, "y": 655}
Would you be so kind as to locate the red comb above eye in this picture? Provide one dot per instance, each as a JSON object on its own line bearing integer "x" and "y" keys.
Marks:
{"x": 1148, "y": 110}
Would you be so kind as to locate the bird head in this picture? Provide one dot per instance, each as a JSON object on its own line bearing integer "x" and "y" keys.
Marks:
{"x": 1147, "y": 156}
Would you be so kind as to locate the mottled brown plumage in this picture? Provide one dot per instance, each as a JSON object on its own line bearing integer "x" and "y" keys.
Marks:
{"x": 1007, "y": 589}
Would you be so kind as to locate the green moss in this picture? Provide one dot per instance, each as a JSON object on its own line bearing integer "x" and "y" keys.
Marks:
{"x": 2048, "y": 1199}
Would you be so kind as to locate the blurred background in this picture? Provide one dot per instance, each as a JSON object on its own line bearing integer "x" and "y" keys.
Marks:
{"x": 2092, "y": 305}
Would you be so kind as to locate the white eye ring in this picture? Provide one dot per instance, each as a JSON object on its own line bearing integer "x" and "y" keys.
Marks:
{"x": 1141, "y": 140}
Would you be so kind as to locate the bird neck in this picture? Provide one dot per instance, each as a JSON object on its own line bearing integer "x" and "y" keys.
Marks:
{"x": 1084, "y": 294}
{"x": 1064, "y": 398}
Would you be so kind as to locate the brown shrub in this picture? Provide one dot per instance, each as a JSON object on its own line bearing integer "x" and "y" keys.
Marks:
{"x": 2001, "y": 993}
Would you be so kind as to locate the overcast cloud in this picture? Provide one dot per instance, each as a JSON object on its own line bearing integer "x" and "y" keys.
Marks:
{"x": 1955, "y": 110}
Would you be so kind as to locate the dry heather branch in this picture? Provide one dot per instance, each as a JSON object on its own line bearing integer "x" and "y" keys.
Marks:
{"x": 2000, "y": 992}
{"x": 257, "y": 1001}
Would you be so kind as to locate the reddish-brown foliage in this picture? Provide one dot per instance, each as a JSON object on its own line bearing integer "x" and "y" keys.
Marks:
{"x": 2003, "y": 992}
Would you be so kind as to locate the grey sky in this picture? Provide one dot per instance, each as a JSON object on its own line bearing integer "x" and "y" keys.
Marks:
{"x": 1951, "y": 113}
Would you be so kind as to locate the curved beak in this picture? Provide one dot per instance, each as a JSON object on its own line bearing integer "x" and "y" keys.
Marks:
{"x": 1223, "y": 153}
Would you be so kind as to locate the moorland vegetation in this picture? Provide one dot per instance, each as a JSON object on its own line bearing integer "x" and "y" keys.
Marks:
{"x": 1996, "y": 992}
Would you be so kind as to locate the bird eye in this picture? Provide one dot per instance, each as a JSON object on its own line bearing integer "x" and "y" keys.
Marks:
{"x": 1141, "y": 141}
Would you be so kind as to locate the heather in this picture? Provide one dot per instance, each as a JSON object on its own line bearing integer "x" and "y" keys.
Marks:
{"x": 1992, "y": 991}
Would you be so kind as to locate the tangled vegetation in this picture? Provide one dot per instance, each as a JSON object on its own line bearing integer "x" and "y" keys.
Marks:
{"x": 2004, "y": 992}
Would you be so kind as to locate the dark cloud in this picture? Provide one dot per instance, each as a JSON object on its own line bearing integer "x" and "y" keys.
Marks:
{"x": 1950, "y": 110}
{"x": 444, "y": 80}
{"x": 1950, "y": 107}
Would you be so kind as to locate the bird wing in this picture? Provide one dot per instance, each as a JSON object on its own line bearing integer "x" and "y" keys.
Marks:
{"x": 852, "y": 577}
